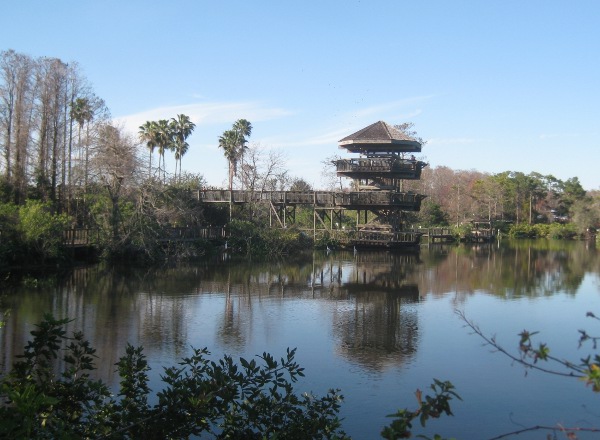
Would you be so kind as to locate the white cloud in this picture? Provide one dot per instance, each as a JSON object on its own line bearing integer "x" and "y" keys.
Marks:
{"x": 545, "y": 136}
{"x": 387, "y": 107}
{"x": 455, "y": 141}
{"x": 349, "y": 122}
{"x": 207, "y": 113}
{"x": 326, "y": 138}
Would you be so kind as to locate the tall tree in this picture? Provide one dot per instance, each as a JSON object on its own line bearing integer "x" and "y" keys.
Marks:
{"x": 164, "y": 142}
{"x": 229, "y": 141}
{"x": 82, "y": 113}
{"x": 147, "y": 134}
{"x": 17, "y": 94}
{"x": 114, "y": 166}
{"x": 571, "y": 191}
{"x": 181, "y": 128}
{"x": 243, "y": 129}
{"x": 53, "y": 79}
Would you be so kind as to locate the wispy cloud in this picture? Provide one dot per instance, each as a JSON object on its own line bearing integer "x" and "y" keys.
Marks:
{"x": 387, "y": 108}
{"x": 545, "y": 136}
{"x": 323, "y": 138}
{"x": 207, "y": 113}
{"x": 455, "y": 141}
{"x": 348, "y": 122}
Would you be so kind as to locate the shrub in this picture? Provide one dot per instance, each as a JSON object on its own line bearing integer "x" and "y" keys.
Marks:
{"x": 250, "y": 399}
{"x": 9, "y": 235}
{"x": 247, "y": 238}
{"x": 41, "y": 230}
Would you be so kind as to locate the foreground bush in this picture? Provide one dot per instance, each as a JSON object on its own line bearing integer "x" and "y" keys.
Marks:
{"x": 217, "y": 399}
{"x": 252, "y": 399}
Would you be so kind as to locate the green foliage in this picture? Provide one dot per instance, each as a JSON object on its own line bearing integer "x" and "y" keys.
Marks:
{"x": 585, "y": 215}
{"x": 40, "y": 403}
{"x": 10, "y": 241}
{"x": 41, "y": 230}
{"x": 247, "y": 238}
{"x": 463, "y": 231}
{"x": 552, "y": 230}
{"x": 432, "y": 214}
{"x": 587, "y": 369}
{"x": 252, "y": 399}
{"x": 326, "y": 241}
{"x": 538, "y": 356}
{"x": 432, "y": 407}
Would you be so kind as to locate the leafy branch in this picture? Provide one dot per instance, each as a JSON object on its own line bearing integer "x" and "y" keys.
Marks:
{"x": 528, "y": 354}
{"x": 532, "y": 354}
{"x": 431, "y": 407}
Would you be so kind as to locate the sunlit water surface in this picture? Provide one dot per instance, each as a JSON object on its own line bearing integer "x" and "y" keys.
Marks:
{"x": 375, "y": 325}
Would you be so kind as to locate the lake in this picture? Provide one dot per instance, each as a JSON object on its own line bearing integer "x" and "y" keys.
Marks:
{"x": 377, "y": 325}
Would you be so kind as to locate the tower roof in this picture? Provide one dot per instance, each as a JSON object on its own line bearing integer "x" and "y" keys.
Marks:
{"x": 380, "y": 137}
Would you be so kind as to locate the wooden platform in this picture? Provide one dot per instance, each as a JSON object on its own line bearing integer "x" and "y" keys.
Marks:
{"x": 386, "y": 240}
{"x": 438, "y": 235}
{"x": 356, "y": 200}
{"x": 380, "y": 167}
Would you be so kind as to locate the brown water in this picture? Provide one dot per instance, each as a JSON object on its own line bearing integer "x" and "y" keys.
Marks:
{"x": 376, "y": 325}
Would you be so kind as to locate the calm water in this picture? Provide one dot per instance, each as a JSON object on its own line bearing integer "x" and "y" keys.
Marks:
{"x": 376, "y": 325}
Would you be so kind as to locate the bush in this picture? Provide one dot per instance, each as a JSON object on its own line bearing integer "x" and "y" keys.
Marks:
{"x": 553, "y": 230}
{"x": 251, "y": 399}
{"x": 247, "y": 238}
{"x": 41, "y": 230}
{"x": 9, "y": 235}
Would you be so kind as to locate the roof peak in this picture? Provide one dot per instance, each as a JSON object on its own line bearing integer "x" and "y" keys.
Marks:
{"x": 383, "y": 134}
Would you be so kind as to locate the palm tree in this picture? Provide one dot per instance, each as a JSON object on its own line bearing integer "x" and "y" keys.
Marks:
{"x": 164, "y": 141}
{"x": 147, "y": 134}
{"x": 181, "y": 128}
{"x": 229, "y": 141}
{"x": 243, "y": 128}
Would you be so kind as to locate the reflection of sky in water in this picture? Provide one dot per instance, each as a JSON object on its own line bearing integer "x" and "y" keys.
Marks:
{"x": 377, "y": 326}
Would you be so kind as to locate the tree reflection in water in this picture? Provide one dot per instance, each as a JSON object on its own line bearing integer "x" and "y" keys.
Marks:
{"x": 369, "y": 299}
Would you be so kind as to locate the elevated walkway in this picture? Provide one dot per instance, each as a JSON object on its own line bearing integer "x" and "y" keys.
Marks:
{"x": 356, "y": 200}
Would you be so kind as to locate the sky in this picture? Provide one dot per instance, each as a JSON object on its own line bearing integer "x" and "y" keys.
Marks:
{"x": 492, "y": 86}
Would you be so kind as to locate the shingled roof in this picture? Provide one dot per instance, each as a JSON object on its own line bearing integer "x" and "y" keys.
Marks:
{"x": 380, "y": 136}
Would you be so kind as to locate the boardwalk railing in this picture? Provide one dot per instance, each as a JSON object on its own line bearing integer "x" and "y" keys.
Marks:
{"x": 349, "y": 200}
{"x": 408, "y": 169}
{"x": 80, "y": 237}
{"x": 439, "y": 234}
{"x": 381, "y": 239}
{"x": 187, "y": 233}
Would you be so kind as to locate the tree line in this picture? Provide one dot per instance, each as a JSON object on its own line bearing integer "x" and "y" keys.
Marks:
{"x": 48, "y": 118}
{"x": 62, "y": 155}
{"x": 455, "y": 197}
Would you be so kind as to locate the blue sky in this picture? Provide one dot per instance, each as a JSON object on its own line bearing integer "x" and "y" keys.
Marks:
{"x": 492, "y": 85}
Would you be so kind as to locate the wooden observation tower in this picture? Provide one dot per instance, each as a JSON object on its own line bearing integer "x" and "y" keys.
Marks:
{"x": 386, "y": 159}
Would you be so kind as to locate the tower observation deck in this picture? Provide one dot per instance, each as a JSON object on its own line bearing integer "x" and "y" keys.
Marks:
{"x": 386, "y": 159}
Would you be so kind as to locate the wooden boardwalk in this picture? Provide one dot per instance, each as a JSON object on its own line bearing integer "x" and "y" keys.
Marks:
{"x": 328, "y": 207}
{"x": 90, "y": 238}
{"x": 192, "y": 234}
{"x": 406, "y": 201}
{"x": 438, "y": 235}
{"x": 81, "y": 237}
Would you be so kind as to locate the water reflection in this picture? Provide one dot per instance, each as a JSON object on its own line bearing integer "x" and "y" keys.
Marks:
{"x": 368, "y": 298}
{"x": 378, "y": 328}
{"x": 369, "y": 321}
{"x": 524, "y": 268}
